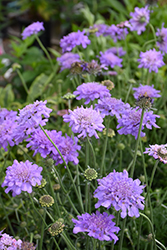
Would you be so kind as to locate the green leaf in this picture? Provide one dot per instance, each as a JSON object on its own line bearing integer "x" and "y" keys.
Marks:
{"x": 54, "y": 52}
{"x": 6, "y": 96}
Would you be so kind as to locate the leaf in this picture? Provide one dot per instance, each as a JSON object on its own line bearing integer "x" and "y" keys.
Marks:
{"x": 88, "y": 15}
{"x": 6, "y": 96}
{"x": 54, "y": 52}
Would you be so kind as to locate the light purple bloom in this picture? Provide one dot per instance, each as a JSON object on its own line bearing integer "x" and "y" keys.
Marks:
{"x": 118, "y": 51}
{"x": 162, "y": 38}
{"x": 7, "y": 242}
{"x": 67, "y": 59}
{"x": 93, "y": 67}
{"x": 99, "y": 226}
{"x": 151, "y": 60}
{"x": 145, "y": 90}
{"x": 33, "y": 28}
{"x": 130, "y": 121}
{"x": 109, "y": 59}
{"x": 139, "y": 19}
{"x": 7, "y": 115}
{"x": 121, "y": 192}
{"x": 101, "y": 29}
{"x": 116, "y": 32}
{"x": 67, "y": 43}
{"x": 111, "y": 106}
{"x": 91, "y": 91}
{"x": 21, "y": 177}
{"x": 158, "y": 152}
{"x": 85, "y": 121}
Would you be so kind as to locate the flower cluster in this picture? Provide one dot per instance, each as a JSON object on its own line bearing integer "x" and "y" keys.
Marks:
{"x": 162, "y": 38}
{"x": 158, "y": 152}
{"x": 120, "y": 191}
{"x": 110, "y": 59}
{"x": 67, "y": 59}
{"x": 8, "y": 242}
{"x": 21, "y": 177}
{"x": 99, "y": 226}
{"x": 99, "y": 29}
{"x": 116, "y": 32}
{"x": 33, "y": 28}
{"x": 118, "y": 51}
{"x": 85, "y": 121}
{"x": 145, "y": 90}
{"x": 91, "y": 91}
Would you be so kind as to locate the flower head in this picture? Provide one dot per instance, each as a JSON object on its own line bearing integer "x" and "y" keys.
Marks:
{"x": 145, "y": 90}
{"x": 109, "y": 59}
{"x": 46, "y": 201}
{"x": 90, "y": 174}
{"x": 158, "y": 152}
{"x": 67, "y": 59}
{"x": 27, "y": 246}
{"x": 21, "y": 177}
{"x": 151, "y": 60}
{"x": 56, "y": 228}
{"x": 99, "y": 29}
{"x": 67, "y": 43}
{"x": 99, "y": 226}
{"x": 116, "y": 32}
{"x": 85, "y": 121}
{"x": 120, "y": 191}
{"x": 33, "y": 28}
{"x": 93, "y": 67}
{"x": 91, "y": 91}
{"x": 7, "y": 242}
{"x": 162, "y": 38}
{"x": 118, "y": 51}
{"x": 139, "y": 19}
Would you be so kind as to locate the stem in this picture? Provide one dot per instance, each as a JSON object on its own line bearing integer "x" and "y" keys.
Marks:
{"x": 122, "y": 234}
{"x": 42, "y": 232}
{"x": 139, "y": 232}
{"x": 68, "y": 242}
{"x": 94, "y": 157}
{"x": 22, "y": 80}
{"x": 153, "y": 173}
{"x": 130, "y": 87}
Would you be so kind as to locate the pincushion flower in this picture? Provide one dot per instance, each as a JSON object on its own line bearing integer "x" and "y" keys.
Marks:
{"x": 151, "y": 60}
{"x": 21, "y": 177}
{"x": 67, "y": 43}
{"x": 99, "y": 29}
{"x": 109, "y": 59}
{"x": 158, "y": 152}
{"x": 162, "y": 38}
{"x": 116, "y": 32}
{"x": 91, "y": 91}
{"x": 145, "y": 90}
{"x": 140, "y": 18}
{"x": 129, "y": 122}
{"x": 33, "y": 28}
{"x": 7, "y": 114}
{"x": 85, "y": 121}
{"x": 7, "y": 242}
{"x": 67, "y": 59}
{"x": 118, "y": 51}
{"x": 99, "y": 226}
{"x": 121, "y": 192}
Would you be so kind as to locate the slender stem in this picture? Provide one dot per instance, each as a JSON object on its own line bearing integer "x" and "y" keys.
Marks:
{"x": 56, "y": 243}
{"x": 87, "y": 154}
{"x": 127, "y": 95}
{"x": 160, "y": 244}
{"x": 94, "y": 157}
{"x": 153, "y": 173}
{"x": 122, "y": 234}
{"x": 139, "y": 232}
{"x": 68, "y": 242}
{"x": 42, "y": 232}
{"x": 22, "y": 80}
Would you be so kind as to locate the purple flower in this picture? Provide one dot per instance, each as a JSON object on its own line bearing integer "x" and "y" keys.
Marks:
{"x": 130, "y": 121}
{"x": 7, "y": 115}
{"x": 99, "y": 226}
{"x": 139, "y": 19}
{"x": 93, "y": 67}
{"x": 145, "y": 90}
{"x": 118, "y": 51}
{"x": 67, "y": 43}
{"x": 111, "y": 106}
{"x": 116, "y": 32}
{"x": 33, "y": 28}
{"x": 85, "y": 121}
{"x": 7, "y": 242}
{"x": 21, "y": 177}
{"x": 67, "y": 59}
{"x": 162, "y": 38}
{"x": 109, "y": 59}
{"x": 158, "y": 152}
{"x": 29, "y": 119}
{"x": 91, "y": 91}
{"x": 120, "y": 191}
{"x": 151, "y": 60}
{"x": 100, "y": 29}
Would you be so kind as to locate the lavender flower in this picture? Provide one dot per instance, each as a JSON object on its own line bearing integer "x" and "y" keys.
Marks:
{"x": 151, "y": 60}
{"x": 118, "y": 51}
{"x": 21, "y": 177}
{"x": 109, "y": 59}
{"x": 7, "y": 242}
{"x": 139, "y": 19}
{"x": 93, "y": 67}
{"x": 7, "y": 115}
{"x": 99, "y": 29}
{"x": 116, "y": 32}
{"x": 162, "y": 38}
{"x": 85, "y": 121}
{"x": 67, "y": 43}
{"x": 33, "y": 28}
{"x": 130, "y": 121}
{"x": 158, "y": 152}
{"x": 111, "y": 106}
{"x": 120, "y": 191}
{"x": 91, "y": 91}
{"x": 99, "y": 226}
{"x": 145, "y": 90}
{"x": 67, "y": 59}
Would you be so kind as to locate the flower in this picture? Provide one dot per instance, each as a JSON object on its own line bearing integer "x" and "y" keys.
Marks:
{"x": 145, "y": 90}
{"x": 162, "y": 38}
{"x": 46, "y": 201}
{"x": 120, "y": 191}
{"x": 116, "y": 32}
{"x": 158, "y": 152}
{"x": 109, "y": 84}
{"x": 21, "y": 177}
{"x": 151, "y": 60}
{"x": 7, "y": 242}
{"x": 91, "y": 91}
{"x": 139, "y": 19}
{"x": 118, "y": 51}
{"x": 129, "y": 122}
{"x": 109, "y": 59}
{"x": 90, "y": 174}
{"x": 93, "y": 67}
{"x": 111, "y": 106}
{"x": 99, "y": 226}
{"x": 56, "y": 228}
{"x": 85, "y": 121}
{"x": 99, "y": 29}
{"x": 33, "y": 28}
{"x": 27, "y": 246}
{"x": 67, "y": 43}
{"x": 67, "y": 59}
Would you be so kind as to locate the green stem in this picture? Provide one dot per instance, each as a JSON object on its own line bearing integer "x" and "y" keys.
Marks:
{"x": 86, "y": 154}
{"x": 160, "y": 244}
{"x": 153, "y": 31}
{"x": 58, "y": 248}
{"x": 42, "y": 232}
{"x": 122, "y": 234}
{"x": 94, "y": 157}
{"x": 153, "y": 173}
{"x": 22, "y": 80}
{"x": 68, "y": 242}
{"x": 139, "y": 232}
{"x": 127, "y": 96}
